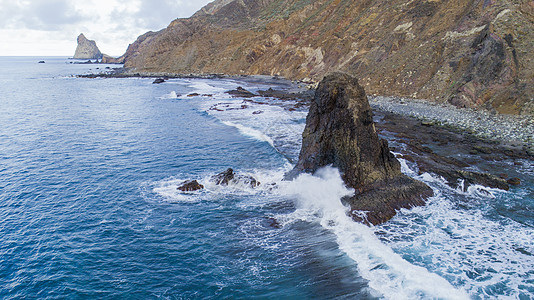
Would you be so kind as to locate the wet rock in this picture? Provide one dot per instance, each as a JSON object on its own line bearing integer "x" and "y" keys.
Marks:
{"x": 482, "y": 179}
{"x": 223, "y": 178}
{"x": 427, "y": 123}
{"x": 514, "y": 181}
{"x": 241, "y": 92}
{"x": 285, "y": 95}
{"x": 258, "y": 112}
{"x": 190, "y": 186}
{"x": 193, "y": 95}
{"x": 158, "y": 81}
{"x": 340, "y": 132}
{"x": 230, "y": 177}
{"x": 41, "y": 61}
{"x": 503, "y": 176}
{"x": 482, "y": 149}
{"x": 272, "y": 222}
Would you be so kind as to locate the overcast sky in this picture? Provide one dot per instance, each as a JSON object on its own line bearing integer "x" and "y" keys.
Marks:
{"x": 50, "y": 27}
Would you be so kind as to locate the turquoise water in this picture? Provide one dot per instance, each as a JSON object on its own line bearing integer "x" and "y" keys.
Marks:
{"x": 89, "y": 206}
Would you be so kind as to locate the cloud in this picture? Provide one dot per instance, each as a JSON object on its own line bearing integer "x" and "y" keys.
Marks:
{"x": 46, "y": 15}
{"x": 113, "y": 24}
{"x": 155, "y": 15}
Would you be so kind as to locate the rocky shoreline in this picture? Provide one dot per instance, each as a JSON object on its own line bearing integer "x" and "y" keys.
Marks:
{"x": 512, "y": 131}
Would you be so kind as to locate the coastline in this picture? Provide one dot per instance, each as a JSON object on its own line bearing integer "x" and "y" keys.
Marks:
{"x": 510, "y": 132}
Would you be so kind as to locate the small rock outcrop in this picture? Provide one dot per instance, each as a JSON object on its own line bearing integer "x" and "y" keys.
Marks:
{"x": 241, "y": 92}
{"x": 229, "y": 176}
{"x": 190, "y": 186}
{"x": 340, "y": 132}
{"x": 87, "y": 49}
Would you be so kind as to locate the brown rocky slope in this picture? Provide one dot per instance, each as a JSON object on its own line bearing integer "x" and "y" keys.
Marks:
{"x": 472, "y": 53}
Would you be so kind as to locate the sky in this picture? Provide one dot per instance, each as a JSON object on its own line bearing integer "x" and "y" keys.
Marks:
{"x": 50, "y": 27}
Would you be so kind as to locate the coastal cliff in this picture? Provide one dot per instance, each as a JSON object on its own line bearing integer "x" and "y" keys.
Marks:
{"x": 86, "y": 49}
{"x": 471, "y": 53}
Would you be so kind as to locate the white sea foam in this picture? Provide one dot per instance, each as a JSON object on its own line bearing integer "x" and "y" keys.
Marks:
{"x": 460, "y": 236}
{"x": 453, "y": 236}
{"x": 203, "y": 87}
{"x": 318, "y": 199}
{"x": 251, "y": 132}
{"x": 168, "y": 188}
{"x": 171, "y": 95}
{"x": 280, "y": 128}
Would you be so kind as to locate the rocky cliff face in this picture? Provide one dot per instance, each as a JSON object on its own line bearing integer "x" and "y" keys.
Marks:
{"x": 340, "y": 132}
{"x": 472, "y": 53}
{"x": 87, "y": 49}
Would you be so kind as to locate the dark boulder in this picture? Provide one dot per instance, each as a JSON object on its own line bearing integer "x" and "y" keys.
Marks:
{"x": 158, "y": 81}
{"x": 514, "y": 181}
{"x": 224, "y": 178}
{"x": 241, "y": 93}
{"x": 190, "y": 186}
{"x": 472, "y": 178}
{"x": 340, "y": 132}
{"x": 41, "y": 61}
{"x": 230, "y": 177}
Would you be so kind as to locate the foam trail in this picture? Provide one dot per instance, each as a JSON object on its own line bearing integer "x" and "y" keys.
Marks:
{"x": 318, "y": 199}
{"x": 203, "y": 87}
{"x": 256, "y": 134}
{"x": 171, "y": 95}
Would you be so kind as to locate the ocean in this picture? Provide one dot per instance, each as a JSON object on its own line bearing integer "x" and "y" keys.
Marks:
{"x": 89, "y": 206}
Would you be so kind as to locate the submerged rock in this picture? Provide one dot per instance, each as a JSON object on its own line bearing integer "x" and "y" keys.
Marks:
{"x": 514, "y": 181}
{"x": 340, "y": 132}
{"x": 229, "y": 177}
{"x": 190, "y": 186}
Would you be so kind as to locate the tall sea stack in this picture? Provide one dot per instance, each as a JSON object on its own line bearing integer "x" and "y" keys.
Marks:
{"x": 87, "y": 49}
{"x": 340, "y": 132}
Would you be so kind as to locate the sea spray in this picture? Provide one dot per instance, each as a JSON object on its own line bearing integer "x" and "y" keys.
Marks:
{"x": 459, "y": 235}
{"x": 318, "y": 199}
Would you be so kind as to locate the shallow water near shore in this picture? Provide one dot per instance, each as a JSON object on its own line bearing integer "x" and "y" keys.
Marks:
{"x": 89, "y": 206}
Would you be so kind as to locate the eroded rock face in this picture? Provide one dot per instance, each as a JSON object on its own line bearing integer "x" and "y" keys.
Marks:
{"x": 471, "y": 53}
{"x": 340, "y": 132}
{"x": 87, "y": 49}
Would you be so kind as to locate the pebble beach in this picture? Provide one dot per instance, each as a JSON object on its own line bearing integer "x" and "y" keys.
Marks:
{"x": 506, "y": 129}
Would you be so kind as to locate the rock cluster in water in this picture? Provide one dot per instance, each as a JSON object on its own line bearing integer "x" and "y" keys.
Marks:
{"x": 340, "y": 132}
{"x": 87, "y": 49}
{"x": 225, "y": 178}
{"x": 229, "y": 176}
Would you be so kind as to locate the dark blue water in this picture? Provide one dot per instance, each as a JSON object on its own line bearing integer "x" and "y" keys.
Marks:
{"x": 89, "y": 206}
{"x": 78, "y": 218}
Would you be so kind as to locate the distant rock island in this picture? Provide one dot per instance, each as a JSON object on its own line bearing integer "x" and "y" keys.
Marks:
{"x": 87, "y": 49}
{"x": 475, "y": 53}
